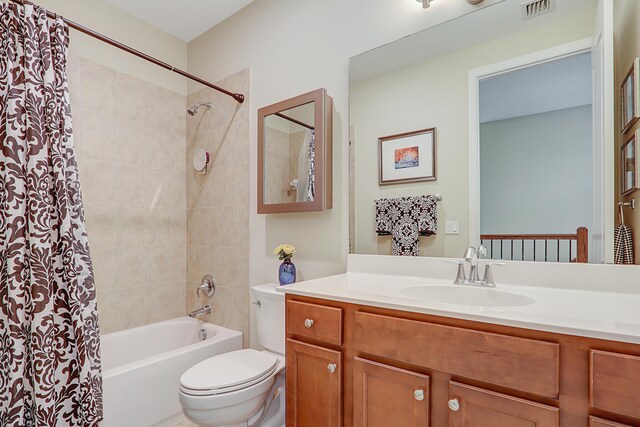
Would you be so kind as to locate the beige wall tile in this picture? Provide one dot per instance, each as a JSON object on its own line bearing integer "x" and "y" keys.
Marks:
{"x": 129, "y": 225}
{"x": 129, "y": 271}
{"x": 157, "y": 227}
{"x": 198, "y": 226}
{"x": 107, "y": 311}
{"x": 178, "y": 227}
{"x": 97, "y": 180}
{"x": 98, "y": 89}
{"x": 178, "y": 300}
{"x": 157, "y": 265}
{"x": 104, "y": 267}
{"x": 157, "y": 303}
{"x": 130, "y": 141}
{"x": 99, "y": 219}
{"x": 129, "y": 188}
{"x": 237, "y": 229}
{"x": 98, "y": 131}
{"x": 130, "y": 97}
{"x": 236, "y": 273}
{"x": 129, "y": 308}
{"x": 178, "y": 264}
{"x": 157, "y": 188}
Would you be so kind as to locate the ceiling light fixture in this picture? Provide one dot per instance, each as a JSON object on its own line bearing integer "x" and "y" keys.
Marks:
{"x": 427, "y": 3}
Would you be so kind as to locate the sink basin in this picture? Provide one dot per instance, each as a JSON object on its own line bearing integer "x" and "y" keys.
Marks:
{"x": 466, "y": 295}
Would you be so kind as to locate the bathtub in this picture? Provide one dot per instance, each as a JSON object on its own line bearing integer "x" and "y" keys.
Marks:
{"x": 141, "y": 368}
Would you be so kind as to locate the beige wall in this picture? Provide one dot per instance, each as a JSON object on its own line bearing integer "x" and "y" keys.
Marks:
{"x": 125, "y": 28}
{"x": 395, "y": 103}
{"x": 627, "y": 48}
{"x": 128, "y": 133}
{"x": 218, "y": 204}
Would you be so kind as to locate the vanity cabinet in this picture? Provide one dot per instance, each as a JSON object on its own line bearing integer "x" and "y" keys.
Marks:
{"x": 397, "y": 368}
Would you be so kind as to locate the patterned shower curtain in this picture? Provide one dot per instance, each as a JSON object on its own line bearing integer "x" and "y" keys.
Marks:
{"x": 49, "y": 340}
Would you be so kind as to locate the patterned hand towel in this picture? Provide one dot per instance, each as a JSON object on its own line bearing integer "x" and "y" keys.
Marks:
{"x": 623, "y": 245}
{"x": 406, "y": 219}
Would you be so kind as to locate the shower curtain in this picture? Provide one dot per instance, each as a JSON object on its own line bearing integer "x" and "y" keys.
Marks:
{"x": 306, "y": 168}
{"x": 49, "y": 340}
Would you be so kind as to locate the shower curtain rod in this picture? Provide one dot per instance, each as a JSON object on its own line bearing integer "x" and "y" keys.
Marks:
{"x": 237, "y": 96}
{"x": 298, "y": 122}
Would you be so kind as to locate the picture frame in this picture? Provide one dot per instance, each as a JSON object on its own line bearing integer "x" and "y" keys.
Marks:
{"x": 630, "y": 164}
{"x": 629, "y": 97}
{"x": 407, "y": 157}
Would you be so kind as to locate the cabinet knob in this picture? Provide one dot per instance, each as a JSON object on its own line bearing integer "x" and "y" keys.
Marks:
{"x": 454, "y": 405}
{"x": 419, "y": 395}
{"x": 308, "y": 323}
{"x": 331, "y": 367}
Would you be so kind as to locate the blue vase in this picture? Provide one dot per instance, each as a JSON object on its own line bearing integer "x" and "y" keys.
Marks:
{"x": 287, "y": 272}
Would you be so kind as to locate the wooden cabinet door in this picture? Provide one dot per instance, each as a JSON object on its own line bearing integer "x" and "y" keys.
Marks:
{"x": 475, "y": 407}
{"x": 314, "y": 386}
{"x": 387, "y": 396}
{"x": 599, "y": 422}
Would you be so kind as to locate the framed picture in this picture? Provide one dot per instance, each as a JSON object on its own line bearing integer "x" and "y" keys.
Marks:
{"x": 407, "y": 157}
{"x": 629, "y": 97}
{"x": 629, "y": 164}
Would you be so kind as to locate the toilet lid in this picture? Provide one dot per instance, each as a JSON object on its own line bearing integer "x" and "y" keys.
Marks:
{"x": 229, "y": 371}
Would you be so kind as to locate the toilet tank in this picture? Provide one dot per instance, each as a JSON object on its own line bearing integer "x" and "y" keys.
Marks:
{"x": 270, "y": 317}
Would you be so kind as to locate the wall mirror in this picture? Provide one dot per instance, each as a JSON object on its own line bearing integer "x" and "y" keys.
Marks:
{"x": 528, "y": 131}
{"x": 295, "y": 154}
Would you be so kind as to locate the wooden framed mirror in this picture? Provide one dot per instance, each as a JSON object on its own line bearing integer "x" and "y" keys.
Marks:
{"x": 295, "y": 154}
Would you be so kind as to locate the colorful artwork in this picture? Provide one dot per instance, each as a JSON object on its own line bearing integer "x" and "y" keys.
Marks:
{"x": 407, "y": 158}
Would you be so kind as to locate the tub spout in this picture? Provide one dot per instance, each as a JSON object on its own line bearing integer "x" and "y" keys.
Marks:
{"x": 207, "y": 309}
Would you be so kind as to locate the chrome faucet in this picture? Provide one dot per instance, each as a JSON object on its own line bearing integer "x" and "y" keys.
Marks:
{"x": 207, "y": 309}
{"x": 471, "y": 256}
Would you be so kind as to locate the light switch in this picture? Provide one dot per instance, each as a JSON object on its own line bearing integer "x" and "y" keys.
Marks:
{"x": 452, "y": 227}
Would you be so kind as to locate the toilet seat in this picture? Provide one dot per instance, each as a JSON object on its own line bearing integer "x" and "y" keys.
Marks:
{"x": 228, "y": 372}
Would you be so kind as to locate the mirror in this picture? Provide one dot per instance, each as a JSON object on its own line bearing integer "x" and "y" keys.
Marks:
{"x": 294, "y": 154}
{"x": 527, "y": 159}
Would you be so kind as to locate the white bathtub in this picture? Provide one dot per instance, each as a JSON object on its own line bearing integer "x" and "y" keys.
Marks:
{"x": 141, "y": 368}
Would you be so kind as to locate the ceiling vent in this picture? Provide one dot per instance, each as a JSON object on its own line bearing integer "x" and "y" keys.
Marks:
{"x": 535, "y": 8}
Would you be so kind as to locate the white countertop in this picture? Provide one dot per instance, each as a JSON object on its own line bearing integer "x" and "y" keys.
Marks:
{"x": 595, "y": 310}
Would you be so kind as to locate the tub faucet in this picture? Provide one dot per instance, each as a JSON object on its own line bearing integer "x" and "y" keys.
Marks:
{"x": 207, "y": 309}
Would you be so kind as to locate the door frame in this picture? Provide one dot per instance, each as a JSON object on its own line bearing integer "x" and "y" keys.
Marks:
{"x": 477, "y": 74}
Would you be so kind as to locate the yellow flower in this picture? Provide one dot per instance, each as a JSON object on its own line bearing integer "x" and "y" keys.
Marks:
{"x": 277, "y": 250}
{"x": 289, "y": 249}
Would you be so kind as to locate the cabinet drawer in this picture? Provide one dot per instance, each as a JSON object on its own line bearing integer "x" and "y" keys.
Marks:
{"x": 385, "y": 395}
{"x": 615, "y": 383}
{"x": 317, "y": 322}
{"x": 475, "y": 407}
{"x": 518, "y": 363}
{"x": 599, "y": 422}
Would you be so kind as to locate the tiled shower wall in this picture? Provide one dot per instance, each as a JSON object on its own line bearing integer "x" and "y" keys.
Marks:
{"x": 218, "y": 204}
{"x": 130, "y": 139}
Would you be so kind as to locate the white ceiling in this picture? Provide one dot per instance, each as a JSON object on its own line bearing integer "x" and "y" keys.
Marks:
{"x": 550, "y": 86}
{"x": 182, "y": 19}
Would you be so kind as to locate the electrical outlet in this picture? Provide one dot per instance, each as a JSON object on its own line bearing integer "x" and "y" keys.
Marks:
{"x": 452, "y": 227}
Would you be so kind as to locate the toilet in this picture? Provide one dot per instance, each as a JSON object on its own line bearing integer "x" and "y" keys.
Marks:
{"x": 244, "y": 387}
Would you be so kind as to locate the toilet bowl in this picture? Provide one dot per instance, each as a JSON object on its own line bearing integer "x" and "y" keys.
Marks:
{"x": 238, "y": 388}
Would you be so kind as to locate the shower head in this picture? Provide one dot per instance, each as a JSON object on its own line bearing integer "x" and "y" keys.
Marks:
{"x": 193, "y": 110}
